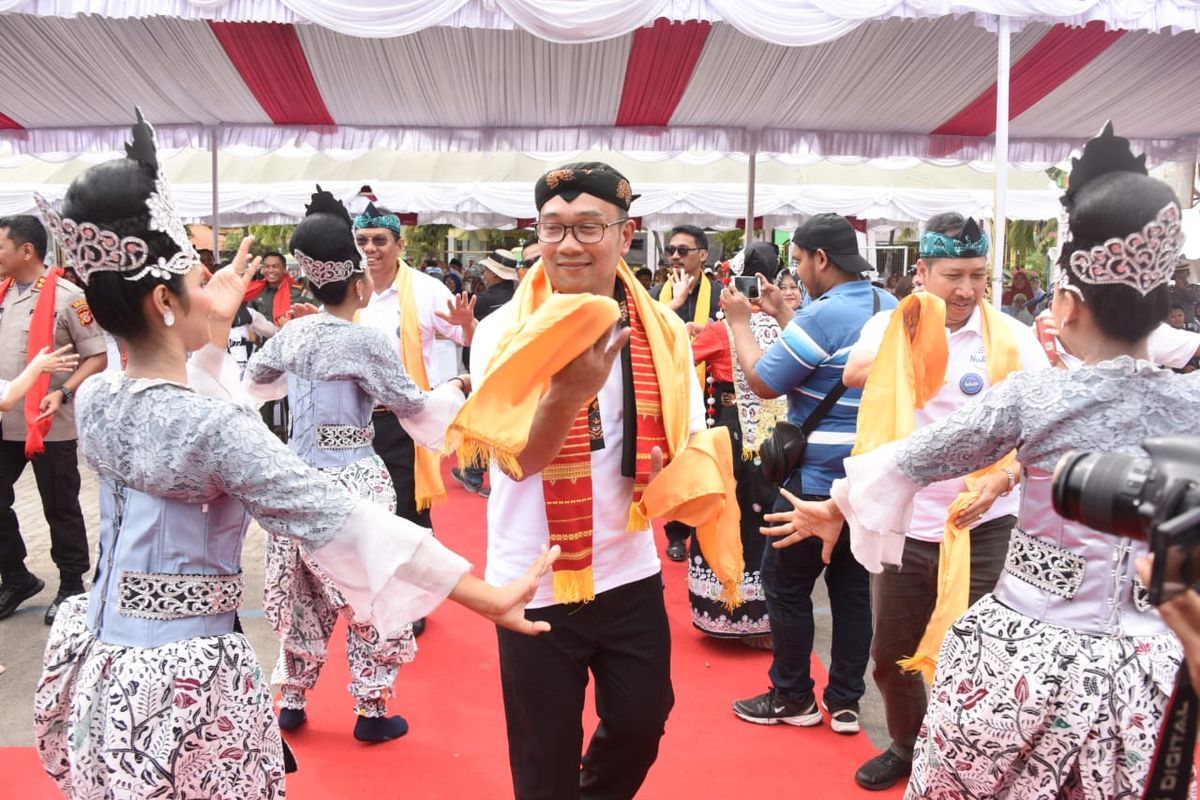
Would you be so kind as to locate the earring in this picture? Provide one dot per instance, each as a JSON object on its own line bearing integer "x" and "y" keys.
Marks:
{"x": 359, "y": 296}
{"x": 168, "y": 318}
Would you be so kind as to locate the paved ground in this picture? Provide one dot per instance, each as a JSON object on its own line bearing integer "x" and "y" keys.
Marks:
{"x": 23, "y": 636}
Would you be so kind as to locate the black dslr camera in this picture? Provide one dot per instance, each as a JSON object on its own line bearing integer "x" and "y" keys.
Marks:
{"x": 1155, "y": 499}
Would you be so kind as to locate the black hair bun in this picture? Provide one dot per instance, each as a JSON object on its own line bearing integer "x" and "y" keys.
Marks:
{"x": 1107, "y": 153}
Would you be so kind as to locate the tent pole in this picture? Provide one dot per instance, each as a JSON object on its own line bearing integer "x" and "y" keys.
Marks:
{"x": 749, "y": 232}
{"x": 1000, "y": 214}
{"x": 216, "y": 207}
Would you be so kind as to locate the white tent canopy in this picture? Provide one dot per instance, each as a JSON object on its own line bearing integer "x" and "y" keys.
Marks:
{"x": 824, "y": 78}
{"x": 495, "y": 189}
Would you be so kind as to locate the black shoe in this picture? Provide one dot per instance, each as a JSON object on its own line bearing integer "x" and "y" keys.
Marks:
{"x": 292, "y": 718}
{"x": 771, "y": 708}
{"x": 461, "y": 477}
{"x": 882, "y": 772}
{"x": 14, "y": 593}
{"x": 677, "y": 551}
{"x": 418, "y": 627}
{"x": 63, "y": 594}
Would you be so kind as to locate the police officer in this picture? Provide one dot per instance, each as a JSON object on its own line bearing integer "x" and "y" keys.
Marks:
{"x": 23, "y": 282}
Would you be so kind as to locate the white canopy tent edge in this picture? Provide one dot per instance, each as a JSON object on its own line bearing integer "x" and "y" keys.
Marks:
{"x": 796, "y": 23}
{"x": 57, "y": 144}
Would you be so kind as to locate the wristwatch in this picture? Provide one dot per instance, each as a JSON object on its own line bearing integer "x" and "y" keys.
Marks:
{"x": 66, "y": 393}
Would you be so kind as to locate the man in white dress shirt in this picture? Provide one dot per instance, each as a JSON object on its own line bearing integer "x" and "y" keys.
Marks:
{"x": 379, "y": 236}
{"x": 953, "y": 266}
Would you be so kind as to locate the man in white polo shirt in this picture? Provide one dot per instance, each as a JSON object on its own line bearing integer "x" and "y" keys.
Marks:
{"x": 953, "y": 265}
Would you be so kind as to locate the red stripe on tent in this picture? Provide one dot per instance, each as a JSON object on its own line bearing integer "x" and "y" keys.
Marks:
{"x": 661, "y": 61}
{"x": 271, "y": 61}
{"x": 10, "y": 124}
{"x": 1056, "y": 57}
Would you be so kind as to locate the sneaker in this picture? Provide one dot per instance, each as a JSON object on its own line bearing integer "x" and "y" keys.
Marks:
{"x": 844, "y": 720}
{"x": 62, "y": 595}
{"x": 13, "y": 593}
{"x": 771, "y": 708}
{"x": 484, "y": 492}
{"x": 883, "y": 772}
{"x": 458, "y": 475}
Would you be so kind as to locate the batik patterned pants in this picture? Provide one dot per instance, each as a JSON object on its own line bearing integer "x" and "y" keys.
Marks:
{"x": 303, "y": 605}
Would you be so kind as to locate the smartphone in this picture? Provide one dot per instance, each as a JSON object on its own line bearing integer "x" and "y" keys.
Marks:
{"x": 747, "y": 285}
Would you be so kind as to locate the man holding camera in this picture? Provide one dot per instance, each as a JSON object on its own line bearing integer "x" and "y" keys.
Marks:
{"x": 954, "y": 267}
{"x": 806, "y": 364}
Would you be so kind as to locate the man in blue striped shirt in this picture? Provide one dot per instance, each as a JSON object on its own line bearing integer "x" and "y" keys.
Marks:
{"x": 806, "y": 364}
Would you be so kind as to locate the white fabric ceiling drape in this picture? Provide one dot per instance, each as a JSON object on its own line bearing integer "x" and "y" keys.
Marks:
{"x": 458, "y": 78}
{"x": 799, "y": 22}
{"x": 61, "y": 143}
{"x": 500, "y": 204}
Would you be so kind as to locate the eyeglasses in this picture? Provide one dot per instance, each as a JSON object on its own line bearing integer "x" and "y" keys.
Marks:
{"x": 584, "y": 232}
{"x": 682, "y": 249}
{"x": 379, "y": 240}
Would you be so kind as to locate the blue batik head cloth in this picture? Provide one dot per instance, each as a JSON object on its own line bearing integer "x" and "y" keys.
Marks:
{"x": 372, "y": 218}
{"x": 971, "y": 242}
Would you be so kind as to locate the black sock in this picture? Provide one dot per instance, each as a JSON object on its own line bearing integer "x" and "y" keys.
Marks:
{"x": 17, "y": 575}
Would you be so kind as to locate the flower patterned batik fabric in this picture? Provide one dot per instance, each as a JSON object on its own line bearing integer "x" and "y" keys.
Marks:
{"x": 754, "y": 495}
{"x": 1023, "y": 709}
{"x": 303, "y": 605}
{"x": 190, "y": 719}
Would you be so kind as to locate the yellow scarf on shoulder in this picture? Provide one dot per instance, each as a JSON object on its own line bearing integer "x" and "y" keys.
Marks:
{"x": 545, "y": 332}
{"x": 909, "y": 370}
{"x": 699, "y": 316}
{"x": 427, "y": 467}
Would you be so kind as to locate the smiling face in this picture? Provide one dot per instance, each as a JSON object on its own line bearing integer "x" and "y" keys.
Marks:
{"x": 382, "y": 247}
{"x": 575, "y": 268}
{"x": 790, "y": 291}
{"x": 960, "y": 282}
{"x": 273, "y": 269}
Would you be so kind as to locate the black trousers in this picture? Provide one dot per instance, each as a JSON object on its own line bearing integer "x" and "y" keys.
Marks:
{"x": 623, "y": 639}
{"x": 57, "y": 474}
{"x": 398, "y": 451}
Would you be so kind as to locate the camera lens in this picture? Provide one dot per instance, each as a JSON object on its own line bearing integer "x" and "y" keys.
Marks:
{"x": 1102, "y": 491}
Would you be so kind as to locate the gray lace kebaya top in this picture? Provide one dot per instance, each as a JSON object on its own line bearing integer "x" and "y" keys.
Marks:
{"x": 1057, "y": 571}
{"x": 334, "y": 373}
{"x": 182, "y": 473}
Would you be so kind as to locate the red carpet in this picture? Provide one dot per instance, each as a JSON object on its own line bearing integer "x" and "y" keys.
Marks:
{"x": 456, "y": 746}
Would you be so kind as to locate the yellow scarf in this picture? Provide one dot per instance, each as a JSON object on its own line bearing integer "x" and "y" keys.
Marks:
{"x": 698, "y": 489}
{"x": 699, "y": 316}
{"x": 909, "y": 369}
{"x": 427, "y": 469}
{"x": 548, "y": 330}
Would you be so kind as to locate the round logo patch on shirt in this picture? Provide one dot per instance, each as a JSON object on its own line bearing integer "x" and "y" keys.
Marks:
{"x": 971, "y": 383}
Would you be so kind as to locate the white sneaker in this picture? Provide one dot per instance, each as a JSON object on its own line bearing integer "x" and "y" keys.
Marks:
{"x": 844, "y": 720}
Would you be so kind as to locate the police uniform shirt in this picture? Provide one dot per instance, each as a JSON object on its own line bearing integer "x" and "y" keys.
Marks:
{"x": 73, "y": 324}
